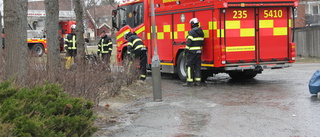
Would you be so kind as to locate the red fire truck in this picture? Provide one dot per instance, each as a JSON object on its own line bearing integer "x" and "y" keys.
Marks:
{"x": 241, "y": 37}
{"x": 37, "y": 38}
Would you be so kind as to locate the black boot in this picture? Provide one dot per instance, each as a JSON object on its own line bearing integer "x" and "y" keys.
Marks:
{"x": 188, "y": 84}
{"x": 198, "y": 83}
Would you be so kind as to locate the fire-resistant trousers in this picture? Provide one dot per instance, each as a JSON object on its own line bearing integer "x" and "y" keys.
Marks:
{"x": 142, "y": 56}
{"x": 193, "y": 67}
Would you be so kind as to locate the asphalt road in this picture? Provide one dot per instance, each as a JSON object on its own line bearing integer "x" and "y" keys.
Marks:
{"x": 276, "y": 103}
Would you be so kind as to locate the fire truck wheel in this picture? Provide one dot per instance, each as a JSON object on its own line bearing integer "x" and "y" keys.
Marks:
{"x": 181, "y": 67}
{"x": 242, "y": 75}
{"x": 37, "y": 50}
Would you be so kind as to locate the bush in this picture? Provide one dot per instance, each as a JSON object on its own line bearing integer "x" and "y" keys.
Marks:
{"x": 43, "y": 111}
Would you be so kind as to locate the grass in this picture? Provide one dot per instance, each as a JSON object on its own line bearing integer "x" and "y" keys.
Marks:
{"x": 308, "y": 60}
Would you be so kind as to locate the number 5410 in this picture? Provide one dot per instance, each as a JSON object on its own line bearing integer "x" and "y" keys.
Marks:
{"x": 272, "y": 13}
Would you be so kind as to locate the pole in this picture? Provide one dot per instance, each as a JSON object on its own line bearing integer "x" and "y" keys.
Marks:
{"x": 155, "y": 66}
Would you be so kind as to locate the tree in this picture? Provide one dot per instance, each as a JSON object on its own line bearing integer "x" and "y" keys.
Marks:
{"x": 52, "y": 25}
{"x": 78, "y": 9}
{"x": 16, "y": 52}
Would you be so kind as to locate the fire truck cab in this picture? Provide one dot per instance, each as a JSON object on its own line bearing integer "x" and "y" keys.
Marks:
{"x": 242, "y": 38}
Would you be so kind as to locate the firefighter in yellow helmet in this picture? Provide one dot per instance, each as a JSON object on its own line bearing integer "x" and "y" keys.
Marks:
{"x": 193, "y": 51}
{"x": 70, "y": 46}
{"x": 137, "y": 50}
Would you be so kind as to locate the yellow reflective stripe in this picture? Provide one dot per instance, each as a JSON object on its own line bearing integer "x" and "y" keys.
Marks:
{"x": 233, "y": 24}
{"x": 278, "y": 31}
{"x": 140, "y": 30}
{"x": 139, "y": 46}
{"x": 266, "y": 23}
{"x": 160, "y": 35}
{"x": 109, "y": 43}
{"x": 189, "y": 79}
{"x": 142, "y": 76}
{"x": 198, "y": 79}
{"x": 187, "y": 47}
{"x": 166, "y": 28}
{"x": 195, "y": 48}
{"x": 73, "y": 42}
{"x": 110, "y": 48}
{"x": 180, "y": 27}
{"x": 195, "y": 39}
{"x": 240, "y": 48}
{"x": 122, "y": 34}
{"x": 130, "y": 44}
{"x": 136, "y": 40}
{"x": 247, "y": 32}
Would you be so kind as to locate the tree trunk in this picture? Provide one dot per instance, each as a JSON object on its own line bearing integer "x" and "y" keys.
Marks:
{"x": 16, "y": 52}
{"x": 78, "y": 8}
{"x": 1, "y": 40}
{"x": 53, "y": 45}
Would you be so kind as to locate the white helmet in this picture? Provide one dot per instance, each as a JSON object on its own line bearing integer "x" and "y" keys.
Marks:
{"x": 194, "y": 20}
{"x": 73, "y": 26}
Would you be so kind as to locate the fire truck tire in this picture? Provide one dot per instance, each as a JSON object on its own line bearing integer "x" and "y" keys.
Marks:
{"x": 37, "y": 50}
{"x": 242, "y": 75}
{"x": 181, "y": 67}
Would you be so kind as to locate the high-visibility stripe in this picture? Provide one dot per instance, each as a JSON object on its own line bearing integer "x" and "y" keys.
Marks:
{"x": 151, "y": 30}
{"x": 195, "y": 39}
{"x": 240, "y": 48}
{"x": 233, "y": 24}
{"x": 189, "y": 79}
{"x": 206, "y": 33}
{"x": 266, "y": 23}
{"x": 180, "y": 27}
{"x": 139, "y": 46}
{"x": 167, "y": 64}
{"x": 280, "y": 31}
{"x": 143, "y": 76}
{"x": 222, "y": 33}
{"x": 166, "y": 28}
{"x": 140, "y": 30}
{"x": 210, "y": 25}
{"x": 195, "y": 48}
{"x": 136, "y": 40}
{"x": 122, "y": 34}
{"x": 290, "y": 23}
{"x": 247, "y": 32}
{"x": 197, "y": 79}
{"x": 207, "y": 65}
{"x": 160, "y": 35}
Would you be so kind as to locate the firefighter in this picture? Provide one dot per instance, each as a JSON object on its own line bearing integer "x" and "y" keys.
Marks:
{"x": 137, "y": 50}
{"x": 70, "y": 46}
{"x": 193, "y": 52}
{"x": 104, "y": 47}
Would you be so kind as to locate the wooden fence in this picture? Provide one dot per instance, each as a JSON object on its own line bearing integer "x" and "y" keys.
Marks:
{"x": 307, "y": 41}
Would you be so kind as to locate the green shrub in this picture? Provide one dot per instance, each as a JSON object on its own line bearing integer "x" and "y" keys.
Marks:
{"x": 43, "y": 111}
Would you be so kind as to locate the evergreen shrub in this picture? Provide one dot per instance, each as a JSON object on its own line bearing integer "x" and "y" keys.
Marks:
{"x": 43, "y": 111}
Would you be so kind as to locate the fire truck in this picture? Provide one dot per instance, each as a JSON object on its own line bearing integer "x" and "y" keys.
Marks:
{"x": 36, "y": 34}
{"x": 242, "y": 38}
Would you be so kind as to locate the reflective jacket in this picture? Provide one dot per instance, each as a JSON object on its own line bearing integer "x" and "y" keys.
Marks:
{"x": 195, "y": 40}
{"x": 70, "y": 42}
{"x": 105, "y": 45}
{"x": 134, "y": 44}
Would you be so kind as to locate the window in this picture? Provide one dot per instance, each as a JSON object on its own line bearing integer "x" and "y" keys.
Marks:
{"x": 131, "y": 15}
{"x": 315, "y": 10}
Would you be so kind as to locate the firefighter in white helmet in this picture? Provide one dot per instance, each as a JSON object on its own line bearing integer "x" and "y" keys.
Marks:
{"x": 137, "y": 50}
{"x": 193, "y": 51}
{"x": 70, "y": 46}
